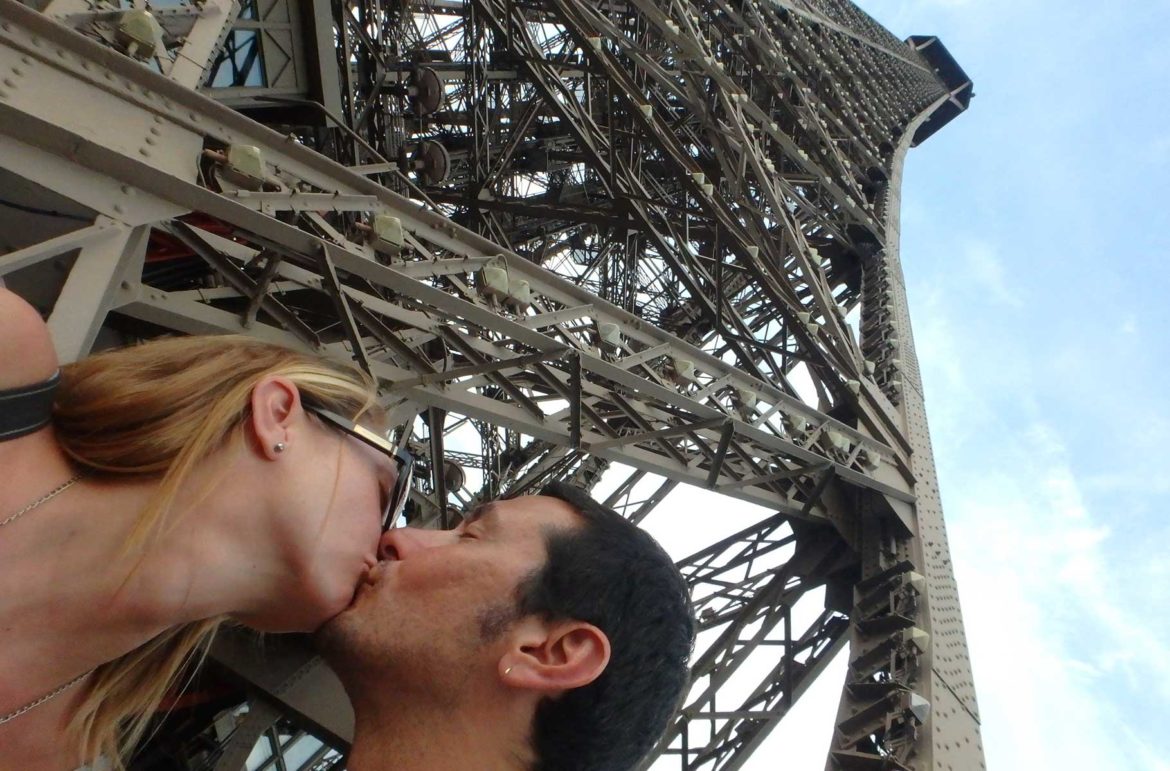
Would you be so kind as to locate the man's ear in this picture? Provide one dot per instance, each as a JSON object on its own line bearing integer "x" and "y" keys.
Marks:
{"x": 276, "y": 406}
{"x": 553, "y": 657}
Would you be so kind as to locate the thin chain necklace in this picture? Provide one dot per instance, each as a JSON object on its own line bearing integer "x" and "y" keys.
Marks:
{"x": 50, "y": 695}
{"x": 60, "y": 690}
{"x": 43, "y": 499}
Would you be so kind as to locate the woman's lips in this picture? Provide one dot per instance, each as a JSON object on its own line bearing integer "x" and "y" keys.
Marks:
{"x": 370, "y": 578}
{"x": 373, "y": 575}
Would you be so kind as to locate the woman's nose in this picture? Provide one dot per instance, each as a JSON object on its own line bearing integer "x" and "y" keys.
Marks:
{"x": 401, "y": 542}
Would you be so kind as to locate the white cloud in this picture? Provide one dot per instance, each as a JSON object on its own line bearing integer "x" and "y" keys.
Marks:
{"x": 1049, "y": 454}
{"x": 1060, "y": 633}
{"x": 984, "y": 266}
{"x": 1054, "y": 640}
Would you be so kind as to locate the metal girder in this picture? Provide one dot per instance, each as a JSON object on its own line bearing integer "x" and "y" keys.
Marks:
{"x": 182, "y": 41}
{"x": 584, "y": 22}
{"x": 793, "y": 436}
{"x": 909, "y": 698}
{"x": 575, "y": 234}
{"x": 746, "y": 586}
{"x": 88, "y": 293}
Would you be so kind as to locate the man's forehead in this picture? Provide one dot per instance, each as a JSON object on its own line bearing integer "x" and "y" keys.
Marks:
{"x": 536, "y": 510}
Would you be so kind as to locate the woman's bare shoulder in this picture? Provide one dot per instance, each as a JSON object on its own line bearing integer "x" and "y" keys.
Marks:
{"x": 26, "y": 349}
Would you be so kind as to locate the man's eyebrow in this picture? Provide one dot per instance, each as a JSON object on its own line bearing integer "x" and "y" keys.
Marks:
{"x": 482, "y": 512}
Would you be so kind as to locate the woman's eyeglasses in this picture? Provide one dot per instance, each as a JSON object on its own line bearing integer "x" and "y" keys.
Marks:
{"x": 396, "y": 501}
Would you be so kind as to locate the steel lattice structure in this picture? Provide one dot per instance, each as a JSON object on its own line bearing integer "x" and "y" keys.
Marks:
{"x": 656, "y": 238}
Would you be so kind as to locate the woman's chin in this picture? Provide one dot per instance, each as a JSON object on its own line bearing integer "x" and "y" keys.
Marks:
{"x": 339, "y": 599}
{"x": 308, "y": 605}
{"x": 300, "y": 613}
{"x": 273, "y": 624}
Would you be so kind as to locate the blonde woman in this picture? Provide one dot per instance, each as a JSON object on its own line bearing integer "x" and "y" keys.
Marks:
{"x": 171, "y": 486}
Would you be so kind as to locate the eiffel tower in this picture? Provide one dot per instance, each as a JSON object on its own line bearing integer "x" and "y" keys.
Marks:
{"x": 631, "y": 243}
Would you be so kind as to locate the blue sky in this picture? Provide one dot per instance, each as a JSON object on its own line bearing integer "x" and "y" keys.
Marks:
{"x": 1036, "y": 247}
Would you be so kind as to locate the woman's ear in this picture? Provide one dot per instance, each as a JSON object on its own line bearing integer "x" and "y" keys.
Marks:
{"x": 276, "y": 408}
{"x": 554, "y": 657}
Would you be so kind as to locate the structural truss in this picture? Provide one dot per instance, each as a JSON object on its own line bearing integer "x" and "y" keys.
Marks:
{"x": 650, "y": 241}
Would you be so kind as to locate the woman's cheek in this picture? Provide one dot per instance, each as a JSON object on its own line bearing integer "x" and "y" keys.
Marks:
{"x": 338, "y": 596}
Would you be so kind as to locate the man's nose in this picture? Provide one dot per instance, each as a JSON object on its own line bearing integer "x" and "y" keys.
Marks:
{"x": 401, "y": 542}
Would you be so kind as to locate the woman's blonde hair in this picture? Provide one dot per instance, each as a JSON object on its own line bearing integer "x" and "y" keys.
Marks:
{"x": 157, "y": 410}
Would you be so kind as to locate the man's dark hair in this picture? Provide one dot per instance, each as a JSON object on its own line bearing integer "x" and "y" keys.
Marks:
{"x": 615, "y": 576}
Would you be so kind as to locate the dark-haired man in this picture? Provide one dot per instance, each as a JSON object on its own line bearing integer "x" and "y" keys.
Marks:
{"x": 545, "y": 632}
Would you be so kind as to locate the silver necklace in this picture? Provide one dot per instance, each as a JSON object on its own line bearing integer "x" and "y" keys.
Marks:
{"x": 38, "y": 702}
{"x": 43, "y": 499}
{"x": 60, "y": 690}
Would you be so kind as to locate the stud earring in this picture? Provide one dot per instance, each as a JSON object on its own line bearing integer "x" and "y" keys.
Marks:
{"x": 278, "y": 447}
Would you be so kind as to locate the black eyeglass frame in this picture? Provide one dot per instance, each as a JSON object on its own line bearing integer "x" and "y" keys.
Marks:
{"x": 396, "y": 503}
